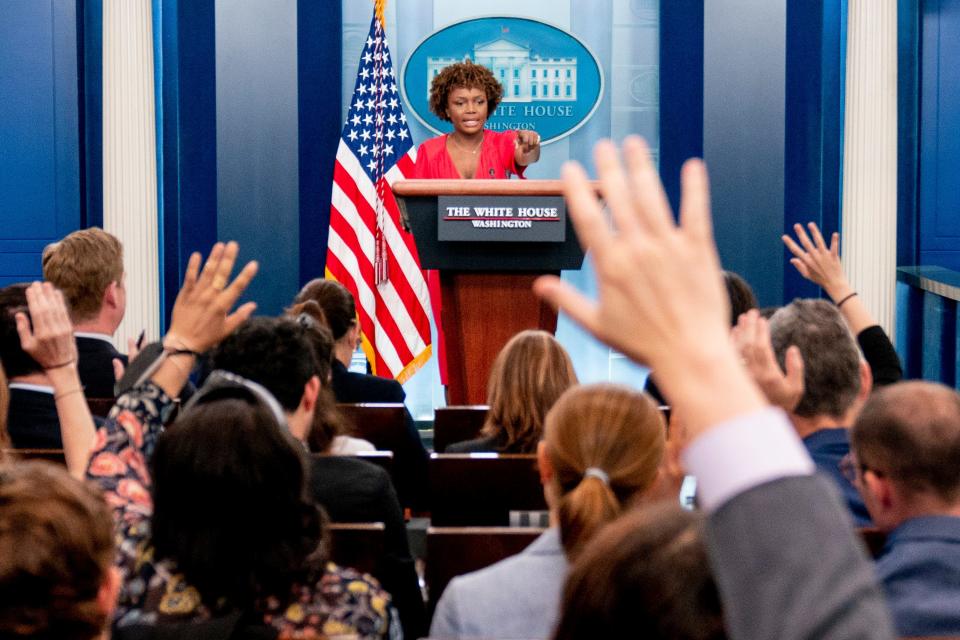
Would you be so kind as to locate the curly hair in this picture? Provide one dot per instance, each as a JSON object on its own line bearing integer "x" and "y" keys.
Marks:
{"x": 467, "y": 75}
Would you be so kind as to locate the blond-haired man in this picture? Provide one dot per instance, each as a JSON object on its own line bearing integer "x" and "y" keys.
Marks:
{"x": 87, "y": 266}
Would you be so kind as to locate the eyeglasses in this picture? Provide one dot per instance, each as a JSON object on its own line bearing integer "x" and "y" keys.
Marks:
{"x": 852, "y": 469}
{"x": 222, "y": 384}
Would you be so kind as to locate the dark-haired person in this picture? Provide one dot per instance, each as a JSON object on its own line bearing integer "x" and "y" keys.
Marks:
{"x": 466, "y": 95}
{"x": 44, "y": 386}
{"x": 213, "y": 515}
{"x": 339, "y": 308}
{"x": 646, "y": 575}
{"x": 836, "y": 383}
{"x": 906, "y": 446}
{"x": 600, "y": 454}
{"x": 290, "y": 357}
{"x": 56, "y": 555}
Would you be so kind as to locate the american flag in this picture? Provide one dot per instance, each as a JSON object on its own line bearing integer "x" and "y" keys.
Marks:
{"x": 368, "y": 251}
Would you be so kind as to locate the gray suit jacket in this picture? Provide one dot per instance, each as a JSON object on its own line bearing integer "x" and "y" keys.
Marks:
{"x": 516, "y": 598}
{"x": 790, "y": 567}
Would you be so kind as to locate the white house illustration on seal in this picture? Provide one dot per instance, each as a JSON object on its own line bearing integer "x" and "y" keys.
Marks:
{"x": 525, "y": 77}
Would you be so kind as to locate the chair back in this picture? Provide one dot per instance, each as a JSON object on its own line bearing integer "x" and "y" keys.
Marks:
{"x": 456, "y": 424}
{"x": 357, "y": 545}
{"x": 382, "y": 423}
{"x": 454, "y": 551}
{"x": 481, "y": 489}
{"x": 50, "y": 455}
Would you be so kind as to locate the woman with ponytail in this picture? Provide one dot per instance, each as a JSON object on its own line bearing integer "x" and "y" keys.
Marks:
{"x": 600, "y": 454}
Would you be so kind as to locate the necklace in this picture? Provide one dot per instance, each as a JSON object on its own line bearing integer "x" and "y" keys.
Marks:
{"x": 463, "y": 148}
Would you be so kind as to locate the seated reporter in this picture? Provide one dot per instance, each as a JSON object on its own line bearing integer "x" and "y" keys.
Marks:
{"x": 528, "y": 375}
{"x": 340, "y": 310}
{"x": 56, "y": 555}
{"x": 644, "y": 575}
{"x": 600, "y": 454}
{"x": 213, "y": 513}
{"x": 286, "y": 355}
{"x": 906, "y": 456}
{"x": 784, "y": 556}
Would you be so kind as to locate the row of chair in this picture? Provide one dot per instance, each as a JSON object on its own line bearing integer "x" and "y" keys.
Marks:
{"x": 451, "y": 551}
{"x": 476, "y": 489}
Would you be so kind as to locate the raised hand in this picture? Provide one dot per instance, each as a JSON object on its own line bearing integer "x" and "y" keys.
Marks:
{"x": 661, "y": 298}
{"x": 201, "y": 315}
{"x": 816, "y": 261}
{"x": 50, "y": 341}
{"x": 751, "y": 337}
{"x": 527, "y": 147}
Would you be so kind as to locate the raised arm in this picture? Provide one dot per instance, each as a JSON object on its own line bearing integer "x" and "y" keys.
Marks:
{"x": 790, "y": 573}
{"x": 50, "y": 342}
{"x": 821, "y": 265}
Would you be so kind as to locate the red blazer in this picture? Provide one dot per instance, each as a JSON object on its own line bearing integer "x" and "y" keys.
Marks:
{"x": 497, "y": 159}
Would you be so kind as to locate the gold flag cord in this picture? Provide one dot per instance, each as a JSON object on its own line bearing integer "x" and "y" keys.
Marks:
{"x": 379, "y": 7}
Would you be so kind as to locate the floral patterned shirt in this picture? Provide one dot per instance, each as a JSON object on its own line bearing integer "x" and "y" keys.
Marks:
{"x": 342, "y": 603}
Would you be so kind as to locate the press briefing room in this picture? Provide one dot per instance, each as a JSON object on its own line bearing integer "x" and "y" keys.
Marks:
{"x": 552, "y": 319}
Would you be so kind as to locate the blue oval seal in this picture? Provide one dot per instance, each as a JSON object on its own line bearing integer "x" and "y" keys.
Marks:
{"x": 552, "y": 83}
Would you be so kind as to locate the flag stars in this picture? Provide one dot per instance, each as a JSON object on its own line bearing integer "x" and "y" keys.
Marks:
{"x": 403, "y": 134}
{"x": 393, "y": 103}
{"x": 355, "y": 120}
{"x": 365, "y": 134}
{"x": 352, "y": 135}
{"x": 390, "y": 134}
{"x": 370, "y": 41}
{"x": 368, "y": 119}
{"x": 358, "y": 105}
{"x": 363, "y": 150}
{"x": 364, "y": 73}
{"x": 372, "y": 165}
{"x": 361, "y": 89}
{"x": 388, "y": 150}
{"x": 392, "y": 119}
{"x": 403, "y": 118}
{"x": 371, "y": 103}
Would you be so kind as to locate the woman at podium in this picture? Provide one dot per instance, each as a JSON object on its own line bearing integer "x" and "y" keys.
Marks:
{"x": 465, "y": 94}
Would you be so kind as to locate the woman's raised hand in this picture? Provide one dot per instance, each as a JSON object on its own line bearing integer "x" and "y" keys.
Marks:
{"x": 201, "y": 315}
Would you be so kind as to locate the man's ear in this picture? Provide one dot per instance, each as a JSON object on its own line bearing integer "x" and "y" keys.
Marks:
{"x": 310, "y": 392}
{"x": 543, "y": 463}
{"x": 880, "y": 488}
{"x": 110, "y": 297}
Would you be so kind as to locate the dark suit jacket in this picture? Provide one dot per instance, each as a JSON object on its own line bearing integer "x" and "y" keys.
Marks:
{"x": 32, "y": 420}
{"x": 789, "y": 566}
{"x": 411, "y": 462}
{"x": 828, "y": 447}
{"x": 353, "y": 490}
{"x": 477, "y": 445}
{"x": 95, "y": 365}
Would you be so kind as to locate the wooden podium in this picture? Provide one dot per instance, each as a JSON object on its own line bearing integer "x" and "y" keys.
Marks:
{"x": 485, "y": 283}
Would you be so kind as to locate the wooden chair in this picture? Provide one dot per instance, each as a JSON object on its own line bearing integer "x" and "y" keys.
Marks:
{"x": 456, "y": 424}
{"x": 50, "y": 455}
{"x": 481, "y": 489}
{"x": 382, "y": 423}
{"x": 100, "y": 407}
{"x": 357, "y": 545}
{"x": 383, "y": 459}
{"x": 454, "y": 551}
